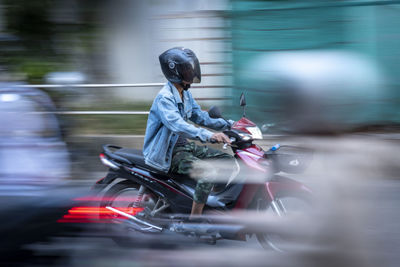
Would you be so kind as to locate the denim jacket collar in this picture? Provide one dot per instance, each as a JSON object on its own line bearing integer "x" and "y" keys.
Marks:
{"x": 176, "y": 94}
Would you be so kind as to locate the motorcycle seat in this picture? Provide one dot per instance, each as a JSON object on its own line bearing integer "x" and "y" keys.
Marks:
{"x": 136, "y": 157}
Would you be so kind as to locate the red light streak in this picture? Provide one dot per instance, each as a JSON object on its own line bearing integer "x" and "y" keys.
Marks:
{"x": 97, "y": 214}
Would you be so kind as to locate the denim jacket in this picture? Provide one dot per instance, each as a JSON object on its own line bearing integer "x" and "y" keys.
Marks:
{"x": 168, "y": 119}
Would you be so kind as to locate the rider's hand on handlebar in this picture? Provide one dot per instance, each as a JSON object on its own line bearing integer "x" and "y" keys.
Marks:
{"x": 221, "y": 138}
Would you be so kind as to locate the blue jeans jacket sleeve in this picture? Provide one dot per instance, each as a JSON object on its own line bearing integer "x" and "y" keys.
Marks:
{"x": 202, "y": 118}
{"x": 172, "y": 119}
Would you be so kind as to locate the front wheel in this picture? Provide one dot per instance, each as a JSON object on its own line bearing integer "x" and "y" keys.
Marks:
{"x": 283, "y": 206}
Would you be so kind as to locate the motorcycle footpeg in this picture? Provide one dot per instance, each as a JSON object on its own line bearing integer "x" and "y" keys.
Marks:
{"x": 200, "y": 219}
{"x": 145, "y": 213}
{"x": 209, "y": 239}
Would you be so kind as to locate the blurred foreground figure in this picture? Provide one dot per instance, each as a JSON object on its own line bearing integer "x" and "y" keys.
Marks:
{"x": 317, "y": 91}
{"x": 34, "y": 165}
{"x": 355, "y": 177}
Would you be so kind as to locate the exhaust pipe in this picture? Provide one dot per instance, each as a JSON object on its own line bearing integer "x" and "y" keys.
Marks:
{"x": 226, "y": 231}
{"x": 150, "y": 226}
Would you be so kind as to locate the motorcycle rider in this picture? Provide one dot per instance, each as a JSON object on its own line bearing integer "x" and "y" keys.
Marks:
{"x": 166, "y": 147}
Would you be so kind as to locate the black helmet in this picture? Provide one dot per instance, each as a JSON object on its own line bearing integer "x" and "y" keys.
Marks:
{"x": 180, "y": 65}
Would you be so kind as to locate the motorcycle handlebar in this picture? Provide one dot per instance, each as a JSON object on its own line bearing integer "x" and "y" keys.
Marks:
{"x": 226, "y": 145}
{"x": 232, "y": 134}
{"x": 213, "y": 141}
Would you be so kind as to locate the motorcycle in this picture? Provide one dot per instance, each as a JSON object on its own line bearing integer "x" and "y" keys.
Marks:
{"x": 152, "y": 201}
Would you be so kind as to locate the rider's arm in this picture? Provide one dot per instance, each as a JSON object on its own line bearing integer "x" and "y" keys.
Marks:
{"x": 202, "y": 118}
{"x": 172, "y": 119}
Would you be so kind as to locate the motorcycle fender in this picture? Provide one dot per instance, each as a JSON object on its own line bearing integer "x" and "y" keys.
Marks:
{"x": 103, "y": 182}
{"x": 282, "y": 186}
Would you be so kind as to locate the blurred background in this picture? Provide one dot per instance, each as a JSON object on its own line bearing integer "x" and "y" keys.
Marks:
{"x": 78, "y": 74}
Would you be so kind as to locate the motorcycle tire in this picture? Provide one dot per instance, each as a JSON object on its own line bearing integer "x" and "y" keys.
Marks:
{"x": 288, "y": 204}
{"x": 125, "y": 236}
{"x": 119, "y": 195}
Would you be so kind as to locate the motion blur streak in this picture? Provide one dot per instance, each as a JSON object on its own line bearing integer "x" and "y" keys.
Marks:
{"x": 96, "y": 215}
{"x": 96, "y": 198}
{"x": 322, "y": 75}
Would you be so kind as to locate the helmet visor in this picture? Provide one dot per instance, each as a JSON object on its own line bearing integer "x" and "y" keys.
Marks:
{"x": 190, "y": 71}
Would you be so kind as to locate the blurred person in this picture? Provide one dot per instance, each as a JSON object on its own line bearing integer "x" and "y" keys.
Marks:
{"x": 166, "y": 147}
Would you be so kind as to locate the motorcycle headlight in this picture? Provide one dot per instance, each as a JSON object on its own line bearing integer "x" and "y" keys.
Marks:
{"x": 245, "y": 137}
{"x": 255, "y": 132}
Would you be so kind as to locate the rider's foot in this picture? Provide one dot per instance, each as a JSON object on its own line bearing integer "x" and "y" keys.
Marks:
{"x": 197, "y": 209}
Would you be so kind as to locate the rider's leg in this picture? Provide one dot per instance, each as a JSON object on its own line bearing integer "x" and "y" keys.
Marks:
{"x": 189, "y": 160}
{"x": 203, "y": 188}
{"x": 187, "y": 164}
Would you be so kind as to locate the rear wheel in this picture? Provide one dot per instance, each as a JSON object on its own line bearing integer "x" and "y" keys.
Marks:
{"x": 126, "y": 199}
{"x": 283, "y": 206}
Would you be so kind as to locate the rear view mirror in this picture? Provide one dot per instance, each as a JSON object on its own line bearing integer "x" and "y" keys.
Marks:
{"x": 242, "y": 103}
{"x": 214, "y": 112}
{"x": 242, "y": 100}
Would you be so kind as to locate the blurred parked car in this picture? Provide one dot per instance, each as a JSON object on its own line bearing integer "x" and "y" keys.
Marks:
{"x": 31, "y": 148}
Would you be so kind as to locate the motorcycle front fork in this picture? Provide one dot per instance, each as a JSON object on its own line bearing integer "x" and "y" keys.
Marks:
{"x": 278, "y": 207}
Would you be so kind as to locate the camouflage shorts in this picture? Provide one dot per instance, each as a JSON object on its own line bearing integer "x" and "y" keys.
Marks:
{"x": 185, "y": 161}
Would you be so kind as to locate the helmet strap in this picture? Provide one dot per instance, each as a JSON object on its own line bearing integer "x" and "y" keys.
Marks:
{"x": 185, "y": 86}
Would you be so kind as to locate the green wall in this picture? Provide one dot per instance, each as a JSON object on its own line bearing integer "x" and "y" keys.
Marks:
{"x": 370, "y": 28}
